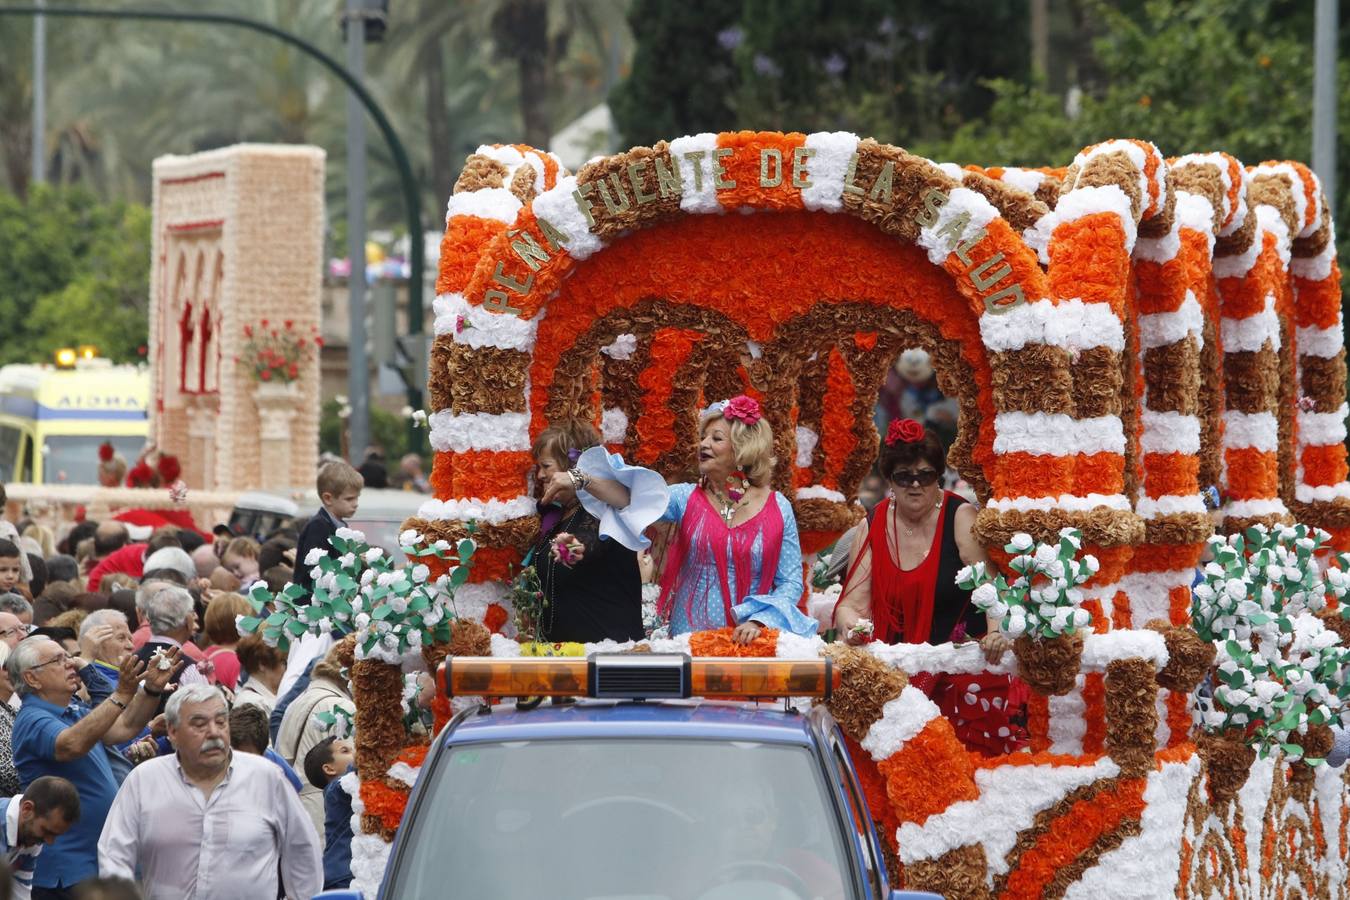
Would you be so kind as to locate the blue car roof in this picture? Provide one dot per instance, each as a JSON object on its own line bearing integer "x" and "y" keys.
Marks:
{"x": 657, "y": 719}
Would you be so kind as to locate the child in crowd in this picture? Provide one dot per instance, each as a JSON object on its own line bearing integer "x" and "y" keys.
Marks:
{"x": 339, "y": 488}
{"x": 241, "y": 559}
{"x": 248, "y": 734}
{"x": 11, "y": 567}
{"x": 325, "y": 764}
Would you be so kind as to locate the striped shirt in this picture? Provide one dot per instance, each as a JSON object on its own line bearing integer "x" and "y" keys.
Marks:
{"x": 22, "y": 860}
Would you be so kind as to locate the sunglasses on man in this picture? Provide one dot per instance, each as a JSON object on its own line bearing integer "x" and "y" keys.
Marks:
{"x": 922, "y": 477}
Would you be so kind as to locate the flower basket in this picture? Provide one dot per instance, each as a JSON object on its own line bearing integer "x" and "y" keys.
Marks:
{"x": 1316, "y": 743}
{"x": 276, "y": 390}
{"x": 274, "y": 354}
{"x": 1189, "y": 657}
{"x": 1228, "y": 761}
{"x": 1049, "y": 665}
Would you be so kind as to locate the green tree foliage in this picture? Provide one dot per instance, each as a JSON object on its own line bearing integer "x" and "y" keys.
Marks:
{"x": 387, "y": 430}
{"x": 1195, "y": 77}
{"x": 901, "y": 70}
{"x": 73, "y": 270}
{"x": 683, "y": 76}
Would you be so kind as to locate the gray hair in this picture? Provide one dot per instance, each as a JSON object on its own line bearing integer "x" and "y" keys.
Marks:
{"x": 11, "y": 602}
{"x": 168, "y": 609}
{"x": 192, "y": 693}
{"x": 146, "y": 590}
{"x": 24, "y": 657}
{"x": 102, "y": 617}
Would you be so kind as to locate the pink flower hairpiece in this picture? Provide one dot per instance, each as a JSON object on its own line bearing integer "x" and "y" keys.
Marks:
{"x": 904, "y": 431}
{"x": 742, "y": 409}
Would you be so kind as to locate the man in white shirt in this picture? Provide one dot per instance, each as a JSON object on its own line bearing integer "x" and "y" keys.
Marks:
{"x": 206, "y": 823}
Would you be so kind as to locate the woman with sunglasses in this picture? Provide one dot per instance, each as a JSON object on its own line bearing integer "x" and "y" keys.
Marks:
{"x": 902, "y": 578}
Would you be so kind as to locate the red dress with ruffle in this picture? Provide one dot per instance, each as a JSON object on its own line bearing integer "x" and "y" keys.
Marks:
{"x": 923, "y": 605}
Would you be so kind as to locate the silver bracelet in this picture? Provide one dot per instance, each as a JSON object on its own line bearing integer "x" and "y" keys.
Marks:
{"x": 579, "y": 478}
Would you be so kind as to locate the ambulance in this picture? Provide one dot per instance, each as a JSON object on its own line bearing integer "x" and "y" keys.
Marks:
{"x": 54, "y": 417}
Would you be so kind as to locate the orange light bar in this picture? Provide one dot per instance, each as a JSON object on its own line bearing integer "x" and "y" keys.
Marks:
{"x": 543, "y": 676}
{"x": 639, "y": 676}
{"x": 722, "y": 679}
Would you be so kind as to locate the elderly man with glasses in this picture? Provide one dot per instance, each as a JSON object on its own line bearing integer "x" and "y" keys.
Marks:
{"x": 55, "y": 736}
{"x": 12, "y": 630}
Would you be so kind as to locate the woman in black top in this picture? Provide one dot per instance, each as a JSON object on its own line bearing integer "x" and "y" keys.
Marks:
{"x": 591, "y": 585}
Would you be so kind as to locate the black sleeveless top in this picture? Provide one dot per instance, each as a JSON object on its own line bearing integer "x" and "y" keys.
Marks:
{"x": 951, "y": 604}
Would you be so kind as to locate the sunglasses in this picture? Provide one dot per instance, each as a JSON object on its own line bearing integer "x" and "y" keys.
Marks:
{"x": 922, "y": 478}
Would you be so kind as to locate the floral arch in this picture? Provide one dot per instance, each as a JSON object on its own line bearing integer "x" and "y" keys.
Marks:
{"x": 1123, "y": 333}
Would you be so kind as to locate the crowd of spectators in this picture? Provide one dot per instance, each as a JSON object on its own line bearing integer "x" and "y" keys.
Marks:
{"x": 136, "y": 721}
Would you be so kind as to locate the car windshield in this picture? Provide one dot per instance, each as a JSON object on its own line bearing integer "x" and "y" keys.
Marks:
{"x": 637, "y": 820}
{"x": 72, "y": 459}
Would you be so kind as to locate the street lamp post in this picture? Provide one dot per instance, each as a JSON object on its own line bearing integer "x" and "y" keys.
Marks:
{"x": 358, "y": 368}
{"x": 411, "y": 198}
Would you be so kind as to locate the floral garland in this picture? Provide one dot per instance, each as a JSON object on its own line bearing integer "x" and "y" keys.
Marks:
{"x": 1281, "y": 672}
{"x": 392, "y": 611}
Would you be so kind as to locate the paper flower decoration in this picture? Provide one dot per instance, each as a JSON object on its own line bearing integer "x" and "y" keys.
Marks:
{"x": 1043, "y": 600}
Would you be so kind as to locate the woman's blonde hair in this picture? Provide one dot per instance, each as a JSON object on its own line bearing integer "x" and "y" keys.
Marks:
{"x": 752, "y": 444}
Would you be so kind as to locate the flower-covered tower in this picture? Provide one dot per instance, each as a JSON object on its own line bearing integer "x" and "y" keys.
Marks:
{"x": 237, "y": 254}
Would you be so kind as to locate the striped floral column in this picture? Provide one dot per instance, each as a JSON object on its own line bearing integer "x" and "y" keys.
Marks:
{"x": 479, "y": 363}
{"x": 1173, "y": 275}
{"x": 1111, "y": 192}
{"x": 1250, "y": 279}
{"x": 1086, "y": 242}
{"x": 1321, "y": 492}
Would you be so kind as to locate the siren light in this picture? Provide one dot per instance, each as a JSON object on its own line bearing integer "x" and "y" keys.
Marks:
{"x": 639, "y": 676}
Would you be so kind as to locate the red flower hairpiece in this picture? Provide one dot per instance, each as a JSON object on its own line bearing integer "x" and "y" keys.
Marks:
{"x": 169, "y": 468}
{"x": 105, "y": 451}
{"x": 742, "y": 409}
{"x": 141, "y": 475}
{"x": 904, "y": 431}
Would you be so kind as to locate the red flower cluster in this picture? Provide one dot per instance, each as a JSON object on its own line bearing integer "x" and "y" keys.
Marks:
{"x": 273, "y": 354}
{"x": 742, "y": 409}
{"x": 906, "y": 431}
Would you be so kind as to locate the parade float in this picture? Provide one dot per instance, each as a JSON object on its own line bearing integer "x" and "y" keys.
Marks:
{"x": 1126, "y": 335}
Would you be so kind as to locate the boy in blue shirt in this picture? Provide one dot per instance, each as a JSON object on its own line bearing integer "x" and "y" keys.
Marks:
{"x": 325, "y": 764}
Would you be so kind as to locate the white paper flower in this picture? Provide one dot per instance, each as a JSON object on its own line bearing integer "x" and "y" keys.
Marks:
{"x": 313, "y": 556}
{"x": 410, "y": 537}
{"x": 1021, "y": 542}
{"x": 420, "y": 573}
{"x": 373, "y": 554}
